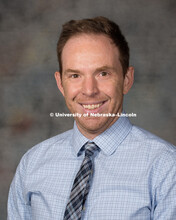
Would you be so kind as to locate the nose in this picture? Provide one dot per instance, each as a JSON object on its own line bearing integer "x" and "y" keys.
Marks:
{"x": 89, "y": 86}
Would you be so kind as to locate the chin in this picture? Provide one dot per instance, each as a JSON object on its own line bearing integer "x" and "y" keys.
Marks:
{"x": 92, "y": 125}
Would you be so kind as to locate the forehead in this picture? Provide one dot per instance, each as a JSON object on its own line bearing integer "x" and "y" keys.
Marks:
{"x": 89, "y": 48}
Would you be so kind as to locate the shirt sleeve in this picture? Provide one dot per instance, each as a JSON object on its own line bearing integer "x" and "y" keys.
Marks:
{"x": 18, "y": 203}
{"x": 165, "y": 190}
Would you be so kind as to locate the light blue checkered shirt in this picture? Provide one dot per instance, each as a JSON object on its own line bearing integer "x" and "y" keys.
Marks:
{"x": 134, "y": 177}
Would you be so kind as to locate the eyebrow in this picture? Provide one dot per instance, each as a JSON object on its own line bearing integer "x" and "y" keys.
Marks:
{"x": 99, "y": 69}
{"x": 71, "y": 71}
{"x": 102, "y": 68}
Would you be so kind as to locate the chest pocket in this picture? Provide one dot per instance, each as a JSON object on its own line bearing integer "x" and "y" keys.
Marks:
{"x": 47, "y": 206}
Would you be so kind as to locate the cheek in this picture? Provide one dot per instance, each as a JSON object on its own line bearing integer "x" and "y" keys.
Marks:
{"x": 70, "y": 91}
{"x": 113, "y": 90}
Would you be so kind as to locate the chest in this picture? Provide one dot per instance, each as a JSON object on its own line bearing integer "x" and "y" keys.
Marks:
{"x": 118, "y": 190}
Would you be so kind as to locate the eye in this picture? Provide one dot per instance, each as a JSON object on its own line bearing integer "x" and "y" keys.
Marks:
{"x": 104, "y": 73}
{"x": 74, "y": 76}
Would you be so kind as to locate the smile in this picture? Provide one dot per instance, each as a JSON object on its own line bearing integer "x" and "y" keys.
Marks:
{"x": 92, "y": 106}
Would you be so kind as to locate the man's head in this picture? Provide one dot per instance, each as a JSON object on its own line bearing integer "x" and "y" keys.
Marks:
{"x": 97, "y": 25}
{"x": 93, "y": 78}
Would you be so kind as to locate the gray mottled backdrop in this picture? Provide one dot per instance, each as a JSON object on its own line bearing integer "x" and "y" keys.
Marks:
{"x": 28, "y": 34}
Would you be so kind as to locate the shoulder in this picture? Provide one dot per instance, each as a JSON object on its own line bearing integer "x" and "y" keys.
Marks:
{"x": 151, "y": 141}
{"x": 49, "y": 148}
{"x": 156, "y": 154}
{"x": 150, "y": 149}
{"x": 42, "y": 157}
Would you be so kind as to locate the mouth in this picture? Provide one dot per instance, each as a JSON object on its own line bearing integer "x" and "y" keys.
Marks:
{"x": 93, "y": 107}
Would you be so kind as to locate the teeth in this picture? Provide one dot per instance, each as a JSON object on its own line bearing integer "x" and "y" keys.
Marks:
{"x": 92, "y": 106}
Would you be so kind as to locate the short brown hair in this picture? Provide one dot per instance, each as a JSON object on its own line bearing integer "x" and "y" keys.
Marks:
{"x": 97, "y": 25}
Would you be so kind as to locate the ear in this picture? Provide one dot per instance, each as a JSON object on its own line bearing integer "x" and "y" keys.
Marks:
{"x": 59, "y": 82}
{"x": 128, "y": 81}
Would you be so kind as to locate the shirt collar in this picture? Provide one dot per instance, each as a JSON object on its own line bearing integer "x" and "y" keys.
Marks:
{"x": 78, "y": 139}
{"x": 108, "y": 141}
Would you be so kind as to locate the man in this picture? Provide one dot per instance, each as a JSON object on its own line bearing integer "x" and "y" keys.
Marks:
{"x": 104, "y": 168}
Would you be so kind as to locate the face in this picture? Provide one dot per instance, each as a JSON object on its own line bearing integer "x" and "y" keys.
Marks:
{"x": 92, "y": 81}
